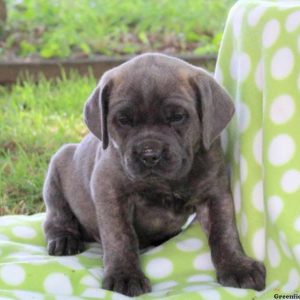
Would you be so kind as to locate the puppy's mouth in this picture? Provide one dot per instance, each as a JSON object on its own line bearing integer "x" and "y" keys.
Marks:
{"x": 149, "y": 176}
{"x": 167, "y": 170}
{"x": 153, "y": 160}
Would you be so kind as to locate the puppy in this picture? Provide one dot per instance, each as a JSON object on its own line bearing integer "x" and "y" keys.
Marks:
{"x": 153, "y": 157}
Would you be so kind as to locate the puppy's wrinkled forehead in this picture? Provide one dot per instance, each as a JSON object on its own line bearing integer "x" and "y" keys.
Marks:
{"x": 152, "y": 77}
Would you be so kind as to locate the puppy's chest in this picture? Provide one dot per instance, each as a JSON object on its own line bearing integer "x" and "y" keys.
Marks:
{"x": 176, "y": 201}
{"x": 159, "y": 215}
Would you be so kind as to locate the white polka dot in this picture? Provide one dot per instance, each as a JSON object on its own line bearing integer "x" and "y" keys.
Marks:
{"x": 296, "y": 251}
{"x": 270, "y": 33}
{"x": 236, "y": 292}
{"x": 196, "y": 288}
{"x": 71, "y": 262}
{"x": 293, "y": 282}
{"x": 244, "y": 169}
{"x": 24, "y": 232}
{"x": 188, "y": 245}
{"x": 210, "y": 295}
{"x": 12, "y": 274}
{"x": 219, "y": 74}
{"x": 284, "y": 245}
{"x": 234, "y": 66}
{"x": 5, "y": 221}
{"x": 159, "y": 268}
{"x": 282, "y": 109}
{"x": 58, "y": 283}
{"x": 163, "y": 286}
{"x": 237, "y": 197}
{"x": 275, "y": 207}
{"x": 273, "y": 254}
{"x": 282, "y": 63}
{"x": 203, "y": 262}
{"x": 20, "y": 254}
{"x": 35, "y": 249}
{"x": 292, "y": 21}
{"x": 67, "y": 298}
{"x": 90, "y": 281}
{"x": 22, "y": 295}
{"x": 237, "y": 20}
{"x": 281, "y": 149}
{"x": 240, "y": 66}
{"x": 97, "y": 272}
{"x": 257, "y": 146}
{"x": 258, "y": 244}
{"x": 243, "y": 116}
{"x": 25, "y": 257}
{"x": 290, "y": 181}
{"x": 245, "y": 66}
{"x": 244, "y": 224}
{"x": 3, "y": 237}
{"x": 258, "y": 196}
{"x": 199, "y": 278}
{"x": 93, "y": 252}
{"x": 298, "y": 82}
{"x": 297, "y": 224}
{"x": 259, "y": 75}
{"x": 160, "y": 294}
{"x": 94, "y": 293}
{"x": 117, "y": 296}
{"x": 255, "y": 15}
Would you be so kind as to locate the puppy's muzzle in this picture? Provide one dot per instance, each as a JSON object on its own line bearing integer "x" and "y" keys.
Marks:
{"x": 149, "y": 152}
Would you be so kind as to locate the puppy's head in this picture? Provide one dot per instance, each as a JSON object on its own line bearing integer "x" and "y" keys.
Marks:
{"x": 157, "y": 111}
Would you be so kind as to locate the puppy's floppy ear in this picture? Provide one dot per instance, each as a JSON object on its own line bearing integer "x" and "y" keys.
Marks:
{"x": 96, "y": 111}
{"x": 216, "y": 107}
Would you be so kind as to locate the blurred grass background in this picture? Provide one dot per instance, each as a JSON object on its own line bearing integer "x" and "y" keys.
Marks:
{"x": 36, "y": 119}
{"x": 48, "y": 29}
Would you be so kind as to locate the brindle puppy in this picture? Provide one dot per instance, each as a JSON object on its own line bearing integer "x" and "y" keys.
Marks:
{"x": 152, "y": 158}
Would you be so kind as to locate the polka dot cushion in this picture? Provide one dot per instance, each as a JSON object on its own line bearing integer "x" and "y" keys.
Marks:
{"x": 180, "y": 268}
{"x": 259, "y": 65}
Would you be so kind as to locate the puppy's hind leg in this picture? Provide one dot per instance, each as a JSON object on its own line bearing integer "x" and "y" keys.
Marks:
{"x": 62, "y": 229}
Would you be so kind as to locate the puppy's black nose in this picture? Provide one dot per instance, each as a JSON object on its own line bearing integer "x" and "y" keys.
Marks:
{"x": 150, "y": 157}
{"x": 149, "y": 153}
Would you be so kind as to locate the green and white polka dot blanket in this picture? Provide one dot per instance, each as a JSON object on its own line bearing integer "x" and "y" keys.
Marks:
{"x": 179, "y": 269}
{"x": 259, "y": 64}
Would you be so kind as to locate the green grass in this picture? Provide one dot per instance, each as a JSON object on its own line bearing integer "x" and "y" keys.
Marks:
{"x": 47, "y": 29}
{"x": 35, "y": 120}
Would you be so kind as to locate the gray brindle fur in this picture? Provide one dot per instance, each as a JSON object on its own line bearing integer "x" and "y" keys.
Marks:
{"x": 152, "y": 158}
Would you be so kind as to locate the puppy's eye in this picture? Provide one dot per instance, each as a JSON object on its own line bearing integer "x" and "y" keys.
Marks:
{"x": 176, "y": 118}
{"x": 124, "y": 120}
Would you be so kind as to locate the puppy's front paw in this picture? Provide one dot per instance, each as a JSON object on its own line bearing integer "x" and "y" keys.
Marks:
{"x": 129, "y": 283}
{"x": 243, "y": 273}
{"x": 66, "y": 245}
